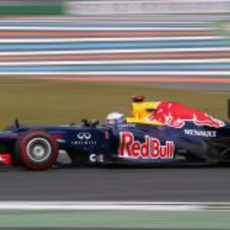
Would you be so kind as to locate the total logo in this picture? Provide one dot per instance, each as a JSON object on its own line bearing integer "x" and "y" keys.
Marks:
{"x": 150, "y": 149}
{"x": 84, "y": 138}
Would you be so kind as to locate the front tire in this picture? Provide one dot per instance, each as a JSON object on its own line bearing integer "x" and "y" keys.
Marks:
{"x": 36, "y": 150}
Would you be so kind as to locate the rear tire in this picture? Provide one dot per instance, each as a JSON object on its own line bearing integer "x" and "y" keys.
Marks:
{"x": 36, "y": 150}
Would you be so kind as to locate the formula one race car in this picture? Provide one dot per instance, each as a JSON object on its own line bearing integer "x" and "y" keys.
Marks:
{"x": 156, "y": 133}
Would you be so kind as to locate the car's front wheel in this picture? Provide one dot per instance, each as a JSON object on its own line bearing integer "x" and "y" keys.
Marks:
{"x": 36, "y": 150}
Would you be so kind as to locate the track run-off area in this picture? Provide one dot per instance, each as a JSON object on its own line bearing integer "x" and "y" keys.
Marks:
{"x": 109, "y": 198}
{"x": 107, "y": 184}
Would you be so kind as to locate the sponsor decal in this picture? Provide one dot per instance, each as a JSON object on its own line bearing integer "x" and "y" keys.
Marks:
{"x": 150, "y": 149}
{"x": 176, "y": 115}
{"x": 84, "y": 142}
{"x": 200, "y": 133}
{"x": 127, "y": 126}
{"x": 61, "y": 140}
{"x": 84, "y": 138}
{"x": 96, "y": 158}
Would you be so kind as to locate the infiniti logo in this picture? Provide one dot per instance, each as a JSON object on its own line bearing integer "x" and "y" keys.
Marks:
{"x": 84, "y": 136}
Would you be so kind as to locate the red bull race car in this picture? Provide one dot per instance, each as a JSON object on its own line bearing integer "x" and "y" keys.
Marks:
{"x": 156, "y": 133}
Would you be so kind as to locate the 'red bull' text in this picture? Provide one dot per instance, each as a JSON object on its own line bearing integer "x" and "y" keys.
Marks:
{"x": 150, "y": 149}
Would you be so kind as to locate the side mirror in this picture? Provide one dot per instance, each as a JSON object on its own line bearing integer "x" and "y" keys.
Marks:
{"x": 85, "y": 122}
{"x": 17, "y": 125}
{"x": 94, "y": 123}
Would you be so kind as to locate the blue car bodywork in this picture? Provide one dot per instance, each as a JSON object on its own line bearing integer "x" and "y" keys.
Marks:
{"x": 130, "y": 144}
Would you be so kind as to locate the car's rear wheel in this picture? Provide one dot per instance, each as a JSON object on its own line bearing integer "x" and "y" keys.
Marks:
{"x": 36, "y": 150}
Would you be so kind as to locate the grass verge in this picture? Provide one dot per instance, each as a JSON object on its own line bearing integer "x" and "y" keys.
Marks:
{"x": 50, "y": 102}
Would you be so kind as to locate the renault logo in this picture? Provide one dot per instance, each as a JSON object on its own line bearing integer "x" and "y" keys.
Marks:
{"x": 84, "y": 136}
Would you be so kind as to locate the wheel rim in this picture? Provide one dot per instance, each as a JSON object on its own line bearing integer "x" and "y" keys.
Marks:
{"x": 38, "y": 149}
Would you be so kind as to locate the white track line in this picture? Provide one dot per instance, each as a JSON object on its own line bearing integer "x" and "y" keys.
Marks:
{"x": 132, "y": 18}
{"x": 113, "y": 39}
{"x": 117, "y": 62}
{"x": 115, "y": 51}
{"x": 100, "y": 206}
{"x": 113, "y": 205}
{"x": 115, "y": 28}
{"x": 94, "y": 18}
{"x": 16, "y": 202}
{"x": 117, "y": 73}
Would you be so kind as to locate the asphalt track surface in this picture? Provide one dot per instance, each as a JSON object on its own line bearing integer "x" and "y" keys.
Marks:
{"x": 114, "y": 184}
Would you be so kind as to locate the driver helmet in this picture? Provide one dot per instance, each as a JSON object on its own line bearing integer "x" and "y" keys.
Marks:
{"x": 115, "y": 118}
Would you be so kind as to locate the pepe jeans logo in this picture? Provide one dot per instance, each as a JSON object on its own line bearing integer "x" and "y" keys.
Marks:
{"x": 84, "y": 136}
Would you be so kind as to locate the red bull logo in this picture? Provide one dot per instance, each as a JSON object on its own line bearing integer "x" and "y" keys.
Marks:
{"x": 150, "y": 149}
{"x": 175, "y": 115}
